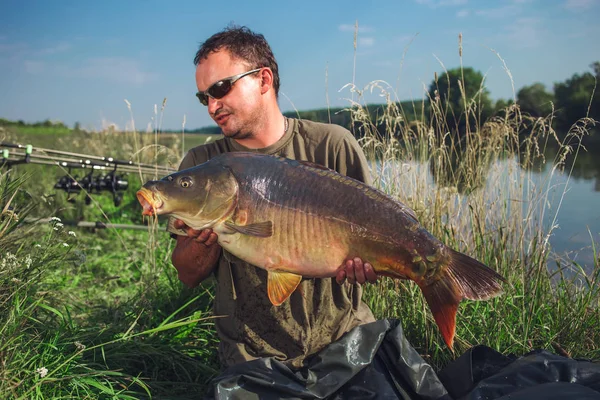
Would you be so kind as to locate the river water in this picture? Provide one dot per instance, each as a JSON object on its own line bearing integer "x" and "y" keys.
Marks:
{"x": 577, "y": 215}
{"x": 565, "y": 204}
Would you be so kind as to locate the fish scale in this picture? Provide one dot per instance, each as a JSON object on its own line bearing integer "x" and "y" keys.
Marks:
{"x": 297, "y": 219}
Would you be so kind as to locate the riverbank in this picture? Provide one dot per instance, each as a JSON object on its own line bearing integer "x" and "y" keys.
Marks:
{"x": 101, "y": 313}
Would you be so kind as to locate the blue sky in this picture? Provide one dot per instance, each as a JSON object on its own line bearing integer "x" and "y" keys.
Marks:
{"x": 79, "y": 60}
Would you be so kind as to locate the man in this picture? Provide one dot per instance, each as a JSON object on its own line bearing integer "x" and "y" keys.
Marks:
{"x": 238, "y": 80}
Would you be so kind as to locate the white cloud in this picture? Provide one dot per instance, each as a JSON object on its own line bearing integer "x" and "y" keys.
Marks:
{"x": 383, "y": 63}
{"x": 523, "y": 33}
{"x": 452, "y": 3}
{"x": 442, "y": 3}
{"x": 500, "y": 12}
{"x": 404, "y": 39}
{"x": 366, "y": 41}
{"x": 117, "y": 69}
{"x": 13, "y": 53}
{"x": 114, "y": 69}
{"x": 462, "y": 13}
{"x": 12, "y": 47}
{"x": 21, "y": 48}
{"x": 579, "y": 5}
{"x": 58, "y": 48}
{"x": 34, "y": 67}
{"x": 351, "y": 28}
{"x": 21, "y": 53}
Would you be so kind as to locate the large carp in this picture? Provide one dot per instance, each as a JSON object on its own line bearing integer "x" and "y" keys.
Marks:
{"x": 296, "y": 219}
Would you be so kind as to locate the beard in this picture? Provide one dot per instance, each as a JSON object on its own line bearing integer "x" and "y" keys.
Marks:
{"x": 237, "y": 134}
{"x": 240, "y": 129}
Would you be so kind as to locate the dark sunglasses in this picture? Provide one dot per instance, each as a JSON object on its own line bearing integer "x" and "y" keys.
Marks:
{"x": 220, "y": 88}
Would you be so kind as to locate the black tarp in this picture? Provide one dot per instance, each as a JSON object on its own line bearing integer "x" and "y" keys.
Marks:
{"x": 375, "y": 361}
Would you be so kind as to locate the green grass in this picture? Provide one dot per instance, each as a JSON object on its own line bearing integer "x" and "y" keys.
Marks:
{"x": 98, "y": 320}
{"x": 102, "y": 314}
{"x": 475, "y": 191}
{"x": 94, "y": 314}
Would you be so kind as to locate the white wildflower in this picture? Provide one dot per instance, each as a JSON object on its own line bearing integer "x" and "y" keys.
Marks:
{"x": 38, "y": 246}
{"x": 66, "y": 244}
{"x": 55, "y": 228}
{"x": 54, "y": 219}
{"x": 59, "y": 225}
{"x": 43, "y": 371}
{"x": 79, "y": 345}
{"x": 72, "y": 233}
{"x": 9, "y": 260}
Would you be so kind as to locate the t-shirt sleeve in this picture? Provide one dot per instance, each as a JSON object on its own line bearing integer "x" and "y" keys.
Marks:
{"x": 351, "y": 161}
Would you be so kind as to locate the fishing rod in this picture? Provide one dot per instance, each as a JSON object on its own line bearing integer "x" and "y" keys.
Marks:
{"x": 94, "y": 225}
{"x": 29, "y": 149}
{"x": 16, "y": 158}
{"x": 108, "y": 167}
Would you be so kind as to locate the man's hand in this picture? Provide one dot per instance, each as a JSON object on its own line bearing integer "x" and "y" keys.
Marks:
{"x": 205, "y": 236}
{"x": 195, "y": 256}
{"x": 356, "y": 272}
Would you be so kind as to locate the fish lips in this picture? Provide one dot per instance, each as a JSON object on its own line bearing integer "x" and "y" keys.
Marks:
{"x": 149, "y": 201}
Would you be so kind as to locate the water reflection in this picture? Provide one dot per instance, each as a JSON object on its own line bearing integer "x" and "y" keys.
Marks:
{"x": 566, "y": 199}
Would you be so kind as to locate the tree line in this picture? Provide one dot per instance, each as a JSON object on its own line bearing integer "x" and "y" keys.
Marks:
{"x": 459, "y": 89}
{"x": 449, "y": 95}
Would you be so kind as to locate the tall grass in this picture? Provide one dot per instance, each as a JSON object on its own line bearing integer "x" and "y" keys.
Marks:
{"x": 476, "y": 192}
{"x": 95, "y": 315}
{"x": 103, "y": 315}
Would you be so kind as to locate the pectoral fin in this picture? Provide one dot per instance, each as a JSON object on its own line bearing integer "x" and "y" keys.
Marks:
{"x": 260, "y": 229}
{"x": 281, "y": 285}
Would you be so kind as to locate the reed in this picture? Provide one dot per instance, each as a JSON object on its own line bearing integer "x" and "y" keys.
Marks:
{"x": 103, "y": 315}
{"x": 475, "y": 191}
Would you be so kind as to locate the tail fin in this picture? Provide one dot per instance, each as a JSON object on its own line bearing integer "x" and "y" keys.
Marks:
{"x": 464, "y": 278}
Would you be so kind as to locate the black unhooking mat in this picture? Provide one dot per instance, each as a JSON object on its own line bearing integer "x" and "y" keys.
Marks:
{"x": 375, "y": 361}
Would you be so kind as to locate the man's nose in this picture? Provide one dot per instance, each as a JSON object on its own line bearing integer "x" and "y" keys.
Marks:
{"x": 213, "y": 105}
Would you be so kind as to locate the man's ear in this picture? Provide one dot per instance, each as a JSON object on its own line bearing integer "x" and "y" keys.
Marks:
{"x": 266, "y": 80}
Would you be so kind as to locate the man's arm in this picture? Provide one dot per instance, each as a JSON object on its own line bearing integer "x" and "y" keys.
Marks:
{"x": 195, "y": 256}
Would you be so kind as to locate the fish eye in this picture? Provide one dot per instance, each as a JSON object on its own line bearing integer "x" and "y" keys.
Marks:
{"x": 186, "y": 182}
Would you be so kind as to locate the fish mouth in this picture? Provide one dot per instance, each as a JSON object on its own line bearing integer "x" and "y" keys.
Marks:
{"x": 149, "y": 201}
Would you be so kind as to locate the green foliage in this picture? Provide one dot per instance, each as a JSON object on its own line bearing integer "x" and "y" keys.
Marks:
{"x": 334, "y": 115}
{"x": 103, "y": 315}
{"x": 207, "y": 130}
{"x": 502, "y": 105}
{"x": 459, "y": 100}
{"x": 574, "y": 97}
{"x": 46, "y": 127}
{"x": 535, "y": 100}
{"x": 343, "y": 116}
{"x": 83, "y": 316}
{"x": 87, "y": 314}
{"x": 475, "y": 204}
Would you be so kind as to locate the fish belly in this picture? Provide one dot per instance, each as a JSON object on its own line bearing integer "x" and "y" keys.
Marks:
{"x": 301, "y": 243}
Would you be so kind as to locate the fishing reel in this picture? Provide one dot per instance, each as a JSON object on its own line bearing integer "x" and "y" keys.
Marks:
{"x": 106, "y": 179}
{"x": 111, "y": 182}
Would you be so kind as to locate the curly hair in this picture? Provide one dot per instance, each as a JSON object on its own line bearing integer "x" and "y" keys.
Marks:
{"x": 245, "y": 45}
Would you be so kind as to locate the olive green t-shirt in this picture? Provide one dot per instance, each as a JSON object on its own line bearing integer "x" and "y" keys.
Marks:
{"x": 320, "y": 311}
